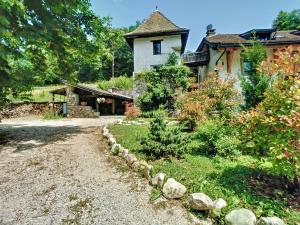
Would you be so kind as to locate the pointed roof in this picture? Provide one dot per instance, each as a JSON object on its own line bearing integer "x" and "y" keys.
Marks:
{"x": 157, "y": 25}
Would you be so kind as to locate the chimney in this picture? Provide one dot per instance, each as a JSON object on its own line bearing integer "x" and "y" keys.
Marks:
{"x": 210, "y": 30}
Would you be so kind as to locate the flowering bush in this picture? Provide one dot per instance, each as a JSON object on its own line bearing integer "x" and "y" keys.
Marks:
{"x": 132, "y": 112}
{"x": 214, "y": 97}
{"x": 272, "y": 129}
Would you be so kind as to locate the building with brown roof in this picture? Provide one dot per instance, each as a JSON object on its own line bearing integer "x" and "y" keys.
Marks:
{"x": 222, "y": 52}
{"x": 153, "y": 41}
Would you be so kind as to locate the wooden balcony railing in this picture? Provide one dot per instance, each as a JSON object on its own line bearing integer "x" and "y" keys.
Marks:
{"x": 197, "y": 57}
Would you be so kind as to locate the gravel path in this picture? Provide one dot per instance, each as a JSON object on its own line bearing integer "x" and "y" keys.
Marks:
{"x": 57, "y": 172}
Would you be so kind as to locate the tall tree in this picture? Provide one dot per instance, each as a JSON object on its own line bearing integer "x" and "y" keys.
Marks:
{"x": 118, "y": 60}
{"x": 253, "y": 82}
{"x": 44, "y": 39}
{"x": 287, "y": 20}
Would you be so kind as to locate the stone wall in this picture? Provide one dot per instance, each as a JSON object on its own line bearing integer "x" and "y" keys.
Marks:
{"x": 26, "y": 109}
{"x": 82, "y": 112}
{"x": 139, "y": 87}
{"x": 74, "y": 109}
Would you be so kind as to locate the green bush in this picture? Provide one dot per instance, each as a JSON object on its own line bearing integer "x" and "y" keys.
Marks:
{"x": 154, "y": 113}
{"x": 218, "y": 139}
{"x": 163, "y": 141}
{"x": 162, "y": 85}
{"x": 121, "y": 82}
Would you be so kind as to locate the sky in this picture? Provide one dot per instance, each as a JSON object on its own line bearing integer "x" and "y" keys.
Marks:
{"x": 226, "y": 16}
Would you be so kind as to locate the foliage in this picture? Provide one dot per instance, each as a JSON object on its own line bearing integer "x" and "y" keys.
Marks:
{"x": 154, "y": 113}
{"x": 216, "y": 96}
{"x": 122, "y": 82}
{"x": 162, "y": 86}
{"x": 272, "y": 128}
{"x": 49, "y": 115}
{"x": 172, "y": 60}
{"x": 218, "y": 177}
{"x": 163, "y": 141}
{"x": 45, "y": 40}
{"x": 132, "y": 112}
{"x": 218, "y": 139}
{"x": 287, "y": 20}
{"x": 253, "y": 82}
{"x": 118, "y": 57}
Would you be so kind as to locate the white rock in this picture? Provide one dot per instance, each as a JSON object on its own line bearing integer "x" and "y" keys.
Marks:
{"x": 135, "y": 166}
{"x": 148, "y": 172}
{"x": 131, "y": 159}
{"x": 270, "y": 221}
{"x": 119, "y": 121}
{"x": 112, "y": 141}
{"x": 158, "y": 180}
{"x": 115, "y": 148}
{"x": 200, "y": 201}
{"x": 124, "y": 153}
{"x": 173, "y": 189}
{"x": 220, "y": 203}
{"x": 240, "y": 217}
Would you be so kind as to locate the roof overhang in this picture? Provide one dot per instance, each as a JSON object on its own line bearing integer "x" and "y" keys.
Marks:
{"x": 184, "y": 36}
{"x": 93, "y": 91}
{"x": 228, "y": 45}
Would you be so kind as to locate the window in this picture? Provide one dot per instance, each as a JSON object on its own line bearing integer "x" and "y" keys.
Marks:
{"x": 156, "y": 47}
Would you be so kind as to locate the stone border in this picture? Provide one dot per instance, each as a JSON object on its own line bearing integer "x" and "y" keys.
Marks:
{"x": 172, "y": 189}
{"x": 142, "y": 122}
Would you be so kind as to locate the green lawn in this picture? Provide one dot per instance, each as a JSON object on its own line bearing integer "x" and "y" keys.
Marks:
{"x": 40, "y": 94}
{"x": 217, "y": 177}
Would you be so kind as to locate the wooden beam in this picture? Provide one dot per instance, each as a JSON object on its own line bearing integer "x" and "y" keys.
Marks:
{"x": 113, "y": 105}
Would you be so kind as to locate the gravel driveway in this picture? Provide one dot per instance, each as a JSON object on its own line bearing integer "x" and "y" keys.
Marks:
{"x": 57, "y": 172}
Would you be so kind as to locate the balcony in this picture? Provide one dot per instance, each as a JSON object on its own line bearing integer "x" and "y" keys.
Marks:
{"x": 195, "y": 59}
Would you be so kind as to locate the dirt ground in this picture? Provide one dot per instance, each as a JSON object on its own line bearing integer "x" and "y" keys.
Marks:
{"x": 57, "y": 172}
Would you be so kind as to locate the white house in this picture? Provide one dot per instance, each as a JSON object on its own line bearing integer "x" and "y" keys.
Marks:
{"x": 154, "y": 40}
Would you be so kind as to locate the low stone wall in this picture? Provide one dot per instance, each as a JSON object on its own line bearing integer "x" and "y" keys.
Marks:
{"x": 82, "y": 112}
{"x": 26, "y": 109}
{"x": 172, "y": 189}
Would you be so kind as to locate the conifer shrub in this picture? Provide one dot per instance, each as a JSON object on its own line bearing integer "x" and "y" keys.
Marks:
{"x": 164, "y": 141}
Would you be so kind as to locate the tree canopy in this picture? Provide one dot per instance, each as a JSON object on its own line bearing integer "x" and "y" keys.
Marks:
{"x": 45, "y": 40}
{"x": 287, "y": 20}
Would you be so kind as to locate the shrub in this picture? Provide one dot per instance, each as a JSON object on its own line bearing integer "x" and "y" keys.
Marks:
{"x": 154, "y": 113}
{"x": 216, "y": 96}
{"x": 162, "y": 85}
{"x": 218, "y": 138}
{"x": 253, "y": 82}
{"x": 163, "y": 141}
{"x": 121, "y": 82}
{"x": 132, "y": 112}
{"x": 272, "y": 129}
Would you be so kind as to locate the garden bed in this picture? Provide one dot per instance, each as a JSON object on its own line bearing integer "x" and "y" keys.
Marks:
{"x": 236, "y": 180}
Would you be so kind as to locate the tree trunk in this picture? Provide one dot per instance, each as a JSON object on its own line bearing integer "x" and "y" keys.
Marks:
{"x": 113, "y": 65}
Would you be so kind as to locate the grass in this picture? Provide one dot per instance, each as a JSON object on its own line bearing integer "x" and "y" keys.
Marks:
{"x": 40, "y": 94}
{"x": 216, "y": 177}
{"x": 49, "y": 115}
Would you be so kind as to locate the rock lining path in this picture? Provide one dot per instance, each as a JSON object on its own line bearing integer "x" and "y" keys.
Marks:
{"x": 57, "y": 172}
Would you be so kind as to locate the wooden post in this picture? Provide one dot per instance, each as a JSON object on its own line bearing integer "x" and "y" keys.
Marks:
{"x": 97, "y": 106}
{"x": 113, "y": 65}
{"x": 53, "y": 99}
{"x": 113, "y": 105}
